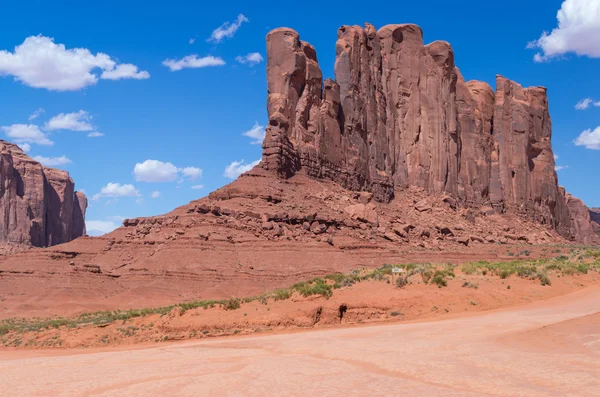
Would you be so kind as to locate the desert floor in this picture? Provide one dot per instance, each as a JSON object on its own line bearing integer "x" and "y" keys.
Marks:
{"x": 544, "y": 348}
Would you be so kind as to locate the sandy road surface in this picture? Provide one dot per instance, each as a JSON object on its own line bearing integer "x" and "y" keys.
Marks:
{"x": 549, "y": 348}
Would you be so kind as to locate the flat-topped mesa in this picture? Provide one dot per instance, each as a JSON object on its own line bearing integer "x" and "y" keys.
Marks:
{"x": 399, "y": 115}
{"x": 38, "y": 205}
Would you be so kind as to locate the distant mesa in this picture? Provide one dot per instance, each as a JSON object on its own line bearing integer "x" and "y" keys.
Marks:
{"x": 39, "y": 205}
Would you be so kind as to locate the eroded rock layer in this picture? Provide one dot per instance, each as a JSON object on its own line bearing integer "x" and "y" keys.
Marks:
{"x": 399, "y": 114}
{"x": 38, "y": 205}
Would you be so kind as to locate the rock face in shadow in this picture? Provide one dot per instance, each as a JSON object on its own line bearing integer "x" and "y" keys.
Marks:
{"x": 38, "y": 205}
{"x": 399, "y": 115}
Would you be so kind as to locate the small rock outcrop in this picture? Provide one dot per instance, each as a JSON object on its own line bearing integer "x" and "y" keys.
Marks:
{"x": 38, "y": 205}
{"x": 399, "y": 115}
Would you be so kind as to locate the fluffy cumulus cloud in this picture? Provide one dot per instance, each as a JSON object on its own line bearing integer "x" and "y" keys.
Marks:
{"x": 192, "y": 62}
{"x": 95, "y": 134}
{"x": 117, "y": 190}
{"x": 53, "y": 161}
{"x": 41, "y": 63}
{"x": 77, "y": 121}
{"x": 589, "y": 139}
{"x": 237, "y": 168}
{"x": 227, "y": 30}
{"x": 257, "y": 133}
{"x": 159, "y": 171}
{"x": 25, "y": 147}
{"x": 155, "y": 194}
{"x": 36, "y": 114}
{"x": 254, "y": 58}
{"x": 26, "y": 133}
{"x": 586, "y": 103}
{"x": 578, "y": 31}
{"x": 155, "y": 171}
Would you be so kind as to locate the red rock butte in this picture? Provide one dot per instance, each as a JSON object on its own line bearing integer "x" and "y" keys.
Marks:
{"x": 398, "y": 161}
{"x": 400, "y": 115}
{"x": 39, "y": 205}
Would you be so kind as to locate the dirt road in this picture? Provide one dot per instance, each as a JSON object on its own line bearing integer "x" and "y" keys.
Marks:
{"x": 549, "y": 348}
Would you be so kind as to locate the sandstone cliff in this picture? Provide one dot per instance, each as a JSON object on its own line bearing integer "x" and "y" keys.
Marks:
{"x": 399, "y": 115}
{"x": 38, "y": 205}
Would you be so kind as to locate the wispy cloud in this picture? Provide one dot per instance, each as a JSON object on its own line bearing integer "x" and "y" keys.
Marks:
{"x": 160, "y": 171}
{"x": 77, "y": 121}
{"x": 117, "y": 190}
{"x": 193, "y": 62}
{"x": 52, "y": 161}
{"x": 257, "y": 133}
{"x": 254, "y": 58}
{"x": 236, "y": 168}
{"x": 36, "y": 114}
{"x": 586, "y": 103}
{"x": 227, "y": 30}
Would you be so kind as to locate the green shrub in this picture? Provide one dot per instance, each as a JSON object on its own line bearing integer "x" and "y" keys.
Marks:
{"x": 281, "y": 294}
{"x": 439, "y": 278}
{"x": 315, "y": 287}
{"x": 232, "y": 304}
{"x": 544, "y": 279}
{"x": 401, "y": 282}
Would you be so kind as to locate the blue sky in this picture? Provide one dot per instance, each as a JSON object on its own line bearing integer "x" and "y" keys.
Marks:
{"x": 132, "y": 87}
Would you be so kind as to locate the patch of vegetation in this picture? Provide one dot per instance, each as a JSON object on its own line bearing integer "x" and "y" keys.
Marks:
{"x": 232, "y": 304}
{"x": 468, "y": 284}
{"x": 317, "y": 286}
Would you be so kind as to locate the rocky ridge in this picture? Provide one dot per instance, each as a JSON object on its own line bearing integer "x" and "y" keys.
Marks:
{"x": 400, "y": 115}
{"x": 38, "y": 205}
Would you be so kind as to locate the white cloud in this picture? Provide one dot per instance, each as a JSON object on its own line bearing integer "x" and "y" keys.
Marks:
{"x": 125, "y": 71}
{"x": 192, "y": 172}
{"x": 251, "y": 59}
{"x": 561, "y": 167}
{"x": 257, "y": 133}
{"x": 590, "y": 139}
{"x": 198, "y": 187}
{"x": 36, "y": 114}
{"x": 192, "y": 40}
{"x": 117, "y": 190}
{"x": 95, "y": 134}
{"x": 586, "y": 103}
{"x": 155, "y": 171}
{"x": 192, "y": 61}
{"x": 159, "y": 171}
{"x": 235, "y": 169}
{"x": 52, "y": 161}
{"x": 155, "y": 194}
{"x": 578, "y": 31}
{"x": 98, "y": 228}
{"x": 555, "y": 157}
{"x": 25, "y": 147}
{"x": 227, "y": 30}
{"x": 40, "y": 63}
{"x": 77, "y": 121}
{"x": 26, "y": 133}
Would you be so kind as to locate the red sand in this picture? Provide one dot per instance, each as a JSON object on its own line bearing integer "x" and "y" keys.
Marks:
{"x": 469, "y": 356}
